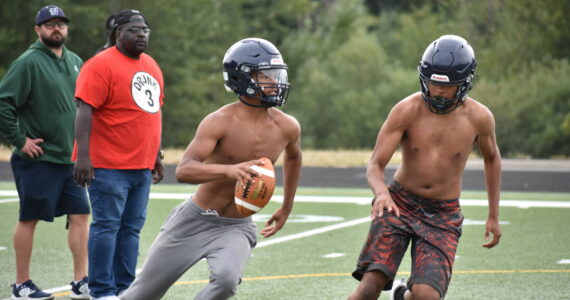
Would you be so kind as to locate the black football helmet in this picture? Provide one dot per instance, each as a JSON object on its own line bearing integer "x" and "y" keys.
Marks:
{"x": 449, "y": 60}
{"x": 254, "y": 68}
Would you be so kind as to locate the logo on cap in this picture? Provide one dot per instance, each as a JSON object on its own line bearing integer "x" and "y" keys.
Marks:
{"x": 49, "y": 12}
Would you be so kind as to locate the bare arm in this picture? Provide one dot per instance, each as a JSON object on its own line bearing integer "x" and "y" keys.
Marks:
{"x": 291, "y": 171}
{"x": 487, "y": 143}
{"x": 192, "y": 168}
{"x": 83, "y": 172}
{"x": 158, "y": 169}
{"x": 388, "y": 139}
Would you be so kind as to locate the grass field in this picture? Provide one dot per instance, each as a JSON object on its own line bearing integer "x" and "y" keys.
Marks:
{"x": 312, "y": 258}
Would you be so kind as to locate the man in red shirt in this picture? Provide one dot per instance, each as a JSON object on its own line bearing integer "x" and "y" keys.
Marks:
{"x": 118, "y": 133}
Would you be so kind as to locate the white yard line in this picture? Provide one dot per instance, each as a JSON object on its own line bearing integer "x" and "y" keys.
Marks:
{"x": 11, "y": 193}
{"x": 270, "y": 242}
{"x": 312, "y": 232}
{"x": 9, "y": 200}
{"x": 346, "y": 199}
{"x": 59, "y": 289}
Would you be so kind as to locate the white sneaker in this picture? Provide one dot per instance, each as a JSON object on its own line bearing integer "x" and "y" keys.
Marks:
{"x": 29, "y": 291}
{"x": 398, "y": 289}
{"x": 80, "y": 289}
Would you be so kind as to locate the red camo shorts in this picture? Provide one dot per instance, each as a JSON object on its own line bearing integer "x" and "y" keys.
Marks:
{"x": 432, "y": 226}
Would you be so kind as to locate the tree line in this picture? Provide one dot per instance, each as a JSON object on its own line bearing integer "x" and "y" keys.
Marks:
{"x": 349, "y": 61}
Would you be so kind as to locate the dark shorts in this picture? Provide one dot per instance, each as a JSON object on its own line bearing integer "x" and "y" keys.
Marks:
{"x": 47, "y": 190}
{"x": 432, "y": 226}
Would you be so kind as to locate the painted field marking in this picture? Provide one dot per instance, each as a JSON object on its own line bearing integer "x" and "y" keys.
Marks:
{"x": 463, "y": 202}
{"x": 317, "y": 275}
{"x": 300, "y": 218}
{"x": 321, "y": 199}
{"x": 312, "y": 232}
{"x": 264, "y": 244}
{"x": 9, "y": 200}
{"x": 564, "y": 261}
{"x": 10, "y": 193}
{"x": 346, "y": 199}
{"x": 334, "y": 255}
{"x": 468, "y": 222}
{"x": 63, "y": 290}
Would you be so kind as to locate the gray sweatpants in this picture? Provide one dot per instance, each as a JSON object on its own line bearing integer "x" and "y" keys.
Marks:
{"x": 188, "y": 235}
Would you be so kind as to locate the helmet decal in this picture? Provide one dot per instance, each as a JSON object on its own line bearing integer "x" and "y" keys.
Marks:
{"x": 437, "y": 77}
{"x": 277, "y": 61}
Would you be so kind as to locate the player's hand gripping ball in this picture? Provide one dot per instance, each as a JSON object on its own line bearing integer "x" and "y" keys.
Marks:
{"x": 255, "y": 194}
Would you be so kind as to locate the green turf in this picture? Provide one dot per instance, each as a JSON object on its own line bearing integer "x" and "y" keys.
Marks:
{"x": 523, "y": 266}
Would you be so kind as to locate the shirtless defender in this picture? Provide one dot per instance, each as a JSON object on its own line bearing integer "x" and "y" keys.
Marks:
{"x": 436, "y": 130}
{"x": 227, "y": 143}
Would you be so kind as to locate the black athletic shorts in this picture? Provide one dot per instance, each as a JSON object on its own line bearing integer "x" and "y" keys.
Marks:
{"x": 47, "y": 190}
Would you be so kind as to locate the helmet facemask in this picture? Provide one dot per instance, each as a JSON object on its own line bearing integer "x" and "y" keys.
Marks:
{"x": 270, "y": 86}
{"x": 442, "y": 105}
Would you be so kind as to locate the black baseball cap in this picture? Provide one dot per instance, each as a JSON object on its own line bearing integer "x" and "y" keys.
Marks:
{"x": 50, "y": 12}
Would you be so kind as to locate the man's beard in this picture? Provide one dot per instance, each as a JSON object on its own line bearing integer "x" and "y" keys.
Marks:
{"x": 52, "y": 43}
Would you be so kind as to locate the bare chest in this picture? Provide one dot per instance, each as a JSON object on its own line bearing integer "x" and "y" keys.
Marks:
{"x": 244, "y": 142}
{"x": 446, "y": 136}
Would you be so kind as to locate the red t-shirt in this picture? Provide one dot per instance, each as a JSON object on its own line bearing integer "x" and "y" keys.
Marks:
{"x": 126, "y": 95}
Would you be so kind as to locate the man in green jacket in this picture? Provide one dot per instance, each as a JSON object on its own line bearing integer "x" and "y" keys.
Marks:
{"x": 37, "y": 114}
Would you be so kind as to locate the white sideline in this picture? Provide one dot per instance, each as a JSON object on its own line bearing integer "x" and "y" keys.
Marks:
{"x": 346, "y": 199}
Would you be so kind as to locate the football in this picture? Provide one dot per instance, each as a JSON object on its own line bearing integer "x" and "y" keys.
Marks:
{"x": 256, "y": 193}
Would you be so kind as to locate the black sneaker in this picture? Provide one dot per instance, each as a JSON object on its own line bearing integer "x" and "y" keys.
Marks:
{"x": 80, "y": 290}
{"x": 398, "y": 290}
{"x": 29, "y": 291}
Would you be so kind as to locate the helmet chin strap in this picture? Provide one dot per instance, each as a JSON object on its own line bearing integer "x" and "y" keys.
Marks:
{"x": 442, "y": 108}
{"x": 252, "y": 105}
